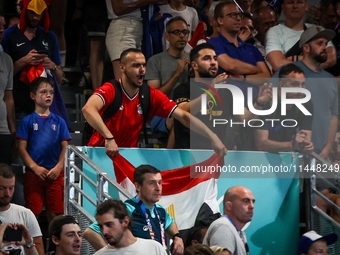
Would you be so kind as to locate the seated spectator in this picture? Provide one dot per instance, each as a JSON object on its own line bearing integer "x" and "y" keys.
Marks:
{"x": 115, "y": 224}
{"x": 236, "y": 58}
{"x": 219, "y": 250}
{"x": 188, "y": 97}
{"x": 247, "y": 28}
{"x": 177, "y": 8}
{"x": 194, "y": 235}
{"x": 166, "y": 70}
{"x": 27, "y": 240}
{"x": 282, "y": 40}
{"x": 65, "y": 235}
{"x": 198, "y": 249}
{"x": 272, "y": 136}
{"x": 13, "y": 213}
{"x": 312, "y": 243}
{"x": 264, "y": 18}
{"x": 238, "y": 209}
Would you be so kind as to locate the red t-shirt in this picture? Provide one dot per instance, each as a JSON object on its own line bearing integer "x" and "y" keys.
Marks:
{"x": 127, "y": 122}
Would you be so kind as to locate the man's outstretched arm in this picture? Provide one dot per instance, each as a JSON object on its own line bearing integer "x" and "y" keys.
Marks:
{"x": 92, "y": 116}
{"x": 199, "y": 127}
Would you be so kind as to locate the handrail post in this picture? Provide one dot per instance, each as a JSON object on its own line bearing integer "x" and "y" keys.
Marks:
{"x": 66, "y": 180}
{"x": 100, "y": 181}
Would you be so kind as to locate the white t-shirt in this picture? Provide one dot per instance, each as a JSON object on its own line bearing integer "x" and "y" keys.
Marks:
{"x": 282, "y": 38}
{"x": 140, "y": 247}
{"x": 22, "y": 215}
{"x": 189, "y": 15}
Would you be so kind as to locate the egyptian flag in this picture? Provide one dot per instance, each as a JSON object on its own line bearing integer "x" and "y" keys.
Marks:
{"x": 184, "y": 189}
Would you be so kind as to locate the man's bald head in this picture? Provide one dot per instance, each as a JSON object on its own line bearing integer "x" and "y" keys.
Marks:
{"x": 125, "y": 54}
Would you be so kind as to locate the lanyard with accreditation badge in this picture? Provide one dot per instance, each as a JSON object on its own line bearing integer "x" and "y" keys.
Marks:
{"x": 148, "y": 222}
{"x": 239, "y": 232}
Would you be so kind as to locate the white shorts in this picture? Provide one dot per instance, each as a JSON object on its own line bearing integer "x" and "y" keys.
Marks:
{"x": 122, "y": 34}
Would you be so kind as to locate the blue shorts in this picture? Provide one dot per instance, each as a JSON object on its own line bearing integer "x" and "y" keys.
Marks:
{"x": 158, "y": 124}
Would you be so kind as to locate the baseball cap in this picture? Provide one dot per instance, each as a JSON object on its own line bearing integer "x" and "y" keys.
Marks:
{"x": 307, "y": 239}
{"x": 59, "y": 222}
{"x": 315, "y": 32}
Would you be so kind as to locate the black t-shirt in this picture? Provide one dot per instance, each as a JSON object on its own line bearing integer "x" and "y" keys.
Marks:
{"x": 186, "y": 92}
{"x": 279, "y": 133}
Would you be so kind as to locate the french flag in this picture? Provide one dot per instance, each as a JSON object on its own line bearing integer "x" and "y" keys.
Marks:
{"x": 184, "y": 189}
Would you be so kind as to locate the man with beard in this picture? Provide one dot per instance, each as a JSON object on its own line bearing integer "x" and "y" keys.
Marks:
{"x": 30, "y": 45}
{"x": 238, "y": 209}
{"x": 203, "y": 61}
{"x": 123, "y": 128}
{"x": 13, "y": 213}
{"x": 324, "y": 94}
{"x": 115, "y": 224}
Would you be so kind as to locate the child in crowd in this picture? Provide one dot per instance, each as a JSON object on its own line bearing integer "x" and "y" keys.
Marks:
{"x": 43, "y": 137}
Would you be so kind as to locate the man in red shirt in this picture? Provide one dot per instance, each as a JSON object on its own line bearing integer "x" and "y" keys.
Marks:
{"x": 122, "y": 130}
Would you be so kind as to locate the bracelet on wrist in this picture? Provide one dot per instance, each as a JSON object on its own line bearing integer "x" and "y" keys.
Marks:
{"x": 176, "y": 235}
{"x": 110, "y": 138}
{"x": 30, "y": 245}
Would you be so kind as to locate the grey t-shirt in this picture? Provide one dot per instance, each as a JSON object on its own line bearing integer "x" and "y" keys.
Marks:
{"x": 223, "y": 233}
{"x": 6, "y": 83}
{"x": 163, "y": 66}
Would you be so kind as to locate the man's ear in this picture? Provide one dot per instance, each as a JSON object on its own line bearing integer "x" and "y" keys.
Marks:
{"x": 194, "y": 65}
{"x": 137, "y": 186}
{"x": 220, "y": 21}
{"x": 55, "y": 240}
{"x": 306, "y": 47}
{"x": 122, "y": 67}
{"x": 228, "y": 205}
{"x": 126, "y": 221}
{"x": 32, "y": 95}
{"x": 167, "y": 35}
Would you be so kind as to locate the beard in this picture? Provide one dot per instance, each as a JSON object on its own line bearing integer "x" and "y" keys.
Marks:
{"x": 205, "y": 74}
{"x": 117, "y": 239}
{"x": 320, "y": 58}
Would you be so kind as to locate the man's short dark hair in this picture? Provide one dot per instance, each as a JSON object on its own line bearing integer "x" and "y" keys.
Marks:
{"x": 194, "y": 53}
{"x": 6, "y": 171}
{"x": 139, "y": 174}
{"x": 287, "y": 69}
{"x": 198, "y": 249}
{"x": 257, "y": 11}
{"x": 117, "y": 207}
{"x": 56, "y": 226}
{"x": 177, "y": 18}
{"x": 127, "y": 51}
{"x": 218, "y": 13}
{"x": 36, "y": 83}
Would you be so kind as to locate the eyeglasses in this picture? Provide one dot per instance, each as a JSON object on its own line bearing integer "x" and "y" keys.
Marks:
{"x": 179, "y": 32}
{"x": 234, "y": 15}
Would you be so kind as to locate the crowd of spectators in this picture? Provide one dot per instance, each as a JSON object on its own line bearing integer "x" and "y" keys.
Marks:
{"x": 182, "y": 51}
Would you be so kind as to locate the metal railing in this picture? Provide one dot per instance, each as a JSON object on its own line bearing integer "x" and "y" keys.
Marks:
{"x": 74, "y": 194}
{"x": 320, "y": 221}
